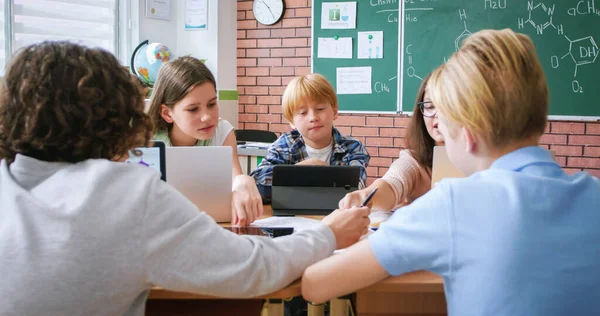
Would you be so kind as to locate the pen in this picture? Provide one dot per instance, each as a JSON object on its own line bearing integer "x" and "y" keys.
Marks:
{"x": 369, "y": 197}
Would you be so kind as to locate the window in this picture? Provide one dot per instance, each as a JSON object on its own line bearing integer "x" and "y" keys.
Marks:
{"x": 92, "y": 23}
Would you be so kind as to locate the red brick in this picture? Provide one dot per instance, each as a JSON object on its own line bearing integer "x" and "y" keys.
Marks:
{"x": 561, "y": 161}
{"x": 261, "y": 71}
{"x": 282, "y": 52}
{"x": 382, "y": 171}
{"x": 294, "y": 42}
{"x": 241, "y": 34}
{"x": 296, "y": 61}
{"x": 373, "y": 151}
{"x": 594, "y": 172}
{"x": 401, "y": 121}
{"x": 300, "y": 71}
{"x": 389, "y": 152}
{"x": 281, "y": 128}
{"x": 244, "y": 5}
{"x": 283, "y": 33}
{"x": 276, "y": 90}
{"x": 246, "y": 62}
{"x": 380, "y": 121}
{"x": 258, "y": 33}
{"x": 303, "y": 12}
{"x": 571, "y": 170}
{"x": 380, "y": 162}
{"x": 269, "y": 118}
{"x": 271, "y": 42}
{"x": 306, "y": 51}
{"x": 257, "y": 90}
{"x": 584, "y": 140}
{"x": 275, "y": 109}
{"x": 295, "y": 22}
{"x": 258, "y": 52}
{"x": 241, "y": 108}
{"x": 246, "y": 81}
{"x": 246, "y": 43}
{"x": 260, "y": 126}
{"x": 246, "y": 24}
{"x": 241, "y": 15}
{"x": 296, "y": 3}
{"x": 241, "y": 90}
{"x": 567, "y": 150}
{"x": 272, "y": 62}
{"x": 593, "y": 129}
{"x": 380, "y": 141}
{"x": 282, "y": 71}
{"x": 370, "y": 180}
{"x": 241, "y": 72}
{"x": 372, "y": 171}
{"x": 567, "y": 128}
{"x": 392, "y": 131}
{"x": 547, "y": 128}
{"x": 241, "y": 53}
{"x": 268, "y": 81}
{"x": 286, "y": 80}
{"x": 593, "y": 163}
{"x": 364, "y": 131}
{"x": 250, "y": 16}
{"x": 243, "y": 117}
{"x": 400, "y": 143}
{"x": 247, "y": 99}
{"x": 257, "y": 108}
{"x": 553, "y": 139}
{"x": 289, "y": 13}
{"x": 350, "y": 120}
{"x": 269, "y": 100}
{"x": 303, "y": 32}
{"x": 591, "y": 151}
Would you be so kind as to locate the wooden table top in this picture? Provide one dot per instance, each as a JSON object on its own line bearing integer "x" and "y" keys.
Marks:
{"x": 419, "y": 281}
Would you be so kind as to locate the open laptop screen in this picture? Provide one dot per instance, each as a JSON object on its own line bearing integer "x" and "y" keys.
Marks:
{"x": 153, "y": 157}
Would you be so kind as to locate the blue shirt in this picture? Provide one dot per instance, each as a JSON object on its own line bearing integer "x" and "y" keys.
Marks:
{"x": 520, "y": 238}
{"x": 290, "y": 149}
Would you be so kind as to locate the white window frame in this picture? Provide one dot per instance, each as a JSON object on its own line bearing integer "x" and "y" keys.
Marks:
{"x": 126, "y": 29}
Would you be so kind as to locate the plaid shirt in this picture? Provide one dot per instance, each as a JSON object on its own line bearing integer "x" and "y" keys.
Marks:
{"x": 290, "y": 149}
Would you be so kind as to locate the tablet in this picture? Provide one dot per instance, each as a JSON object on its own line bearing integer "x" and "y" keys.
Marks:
{"x": 262, "y": 231}
{"x": 153, "y": 157}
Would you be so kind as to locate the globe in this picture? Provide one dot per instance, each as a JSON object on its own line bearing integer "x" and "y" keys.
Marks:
{"x": 147, "y": 60}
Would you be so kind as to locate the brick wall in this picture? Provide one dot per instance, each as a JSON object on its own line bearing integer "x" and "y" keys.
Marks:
{"x": 270, "y": 56}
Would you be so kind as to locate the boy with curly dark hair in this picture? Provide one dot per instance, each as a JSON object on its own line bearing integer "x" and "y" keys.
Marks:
{"x": 85, "y": 234}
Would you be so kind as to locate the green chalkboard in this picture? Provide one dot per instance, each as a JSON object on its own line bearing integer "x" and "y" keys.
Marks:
{"x": 566, "y": 34}
{"x": 371, "y": 15}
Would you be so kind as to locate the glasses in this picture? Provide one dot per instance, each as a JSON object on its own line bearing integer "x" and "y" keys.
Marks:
{"x": 427, "y": 108}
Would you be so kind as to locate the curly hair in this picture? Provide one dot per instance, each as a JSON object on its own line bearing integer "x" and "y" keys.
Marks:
{"x": 62, "y": 102}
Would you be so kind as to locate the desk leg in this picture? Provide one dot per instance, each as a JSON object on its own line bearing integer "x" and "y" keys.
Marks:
{"x": 272, "y": 307}
{"x": 249, "y": 165}
{"x": 316, "y": 309}
{"x": 338, "y": 307}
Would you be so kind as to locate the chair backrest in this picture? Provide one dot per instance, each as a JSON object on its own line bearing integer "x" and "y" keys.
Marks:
{"x": 255, "y": 135}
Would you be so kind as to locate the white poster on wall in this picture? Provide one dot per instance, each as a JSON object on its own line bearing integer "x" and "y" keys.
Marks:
{"x": 338, "y": 15}
{"x": 158, "y": 9}
{"x": 353, "y": 80}
{"x": 330, "y": 47}
{"x": 196, "y": 14}
{"x": 370, "y": 45}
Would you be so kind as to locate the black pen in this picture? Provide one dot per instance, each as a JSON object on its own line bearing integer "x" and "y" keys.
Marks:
{"x": 369, "y": 197}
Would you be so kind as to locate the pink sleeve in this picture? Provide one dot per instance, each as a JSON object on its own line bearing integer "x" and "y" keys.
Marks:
{"x": 404, "y": 176}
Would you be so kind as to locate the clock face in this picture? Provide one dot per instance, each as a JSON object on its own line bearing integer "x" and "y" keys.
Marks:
{"x": 268, "y": 12}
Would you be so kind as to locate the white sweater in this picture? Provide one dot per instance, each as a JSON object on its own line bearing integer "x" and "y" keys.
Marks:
{"x": 91, "y": 238}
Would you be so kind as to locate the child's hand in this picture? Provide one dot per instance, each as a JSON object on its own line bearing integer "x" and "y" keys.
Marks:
{"x": 353, "y": 199}
{"x": 312, "y": 162}
{"x": 348, "y": 225}
{"x": 245, "y": 201}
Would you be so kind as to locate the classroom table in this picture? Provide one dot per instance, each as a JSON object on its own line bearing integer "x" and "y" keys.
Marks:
{"x": 414, "y": 282}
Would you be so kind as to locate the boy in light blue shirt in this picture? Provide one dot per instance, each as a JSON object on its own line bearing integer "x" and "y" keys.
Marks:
{"x": 518, "y": 236}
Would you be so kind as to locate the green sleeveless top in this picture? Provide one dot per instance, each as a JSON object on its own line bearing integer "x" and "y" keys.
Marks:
{"x": 163, "y": 136}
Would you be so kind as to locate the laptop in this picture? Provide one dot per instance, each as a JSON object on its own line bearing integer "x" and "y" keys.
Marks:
{"x": 311, "y": 190}
{"x": 203, "y": 175}
{"x": 153, "y": 157}
{"x": 442, "y": 167}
